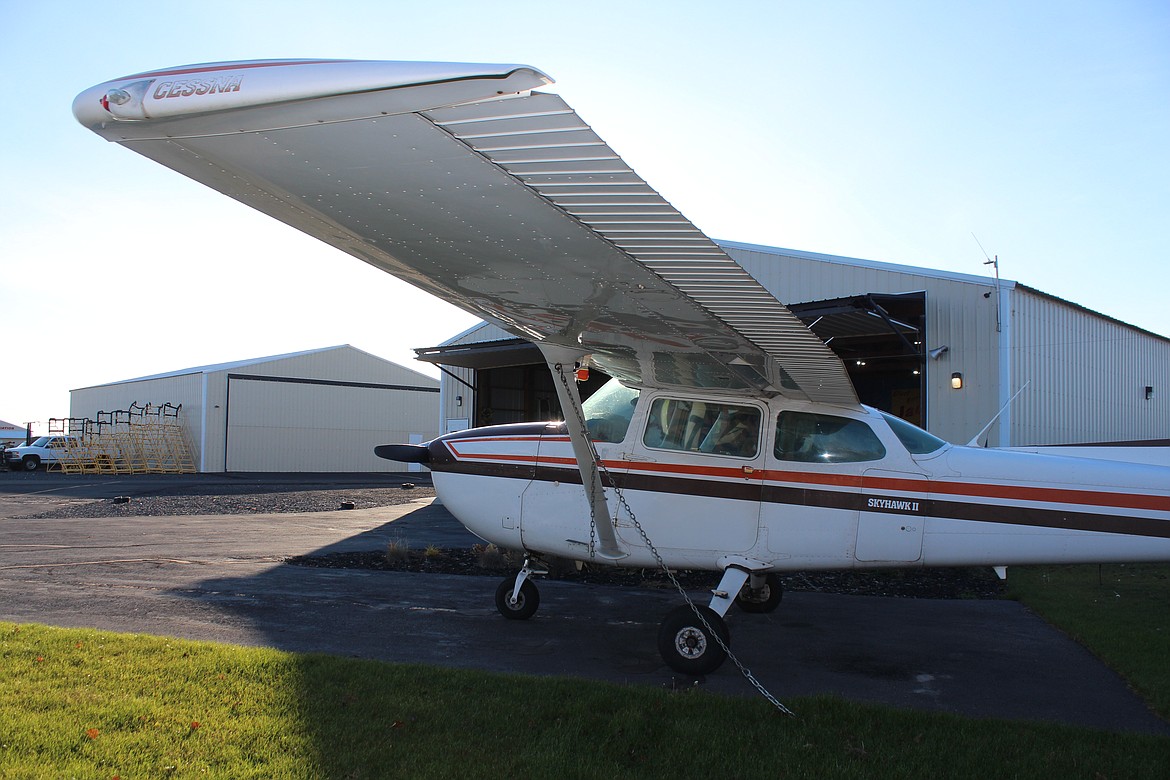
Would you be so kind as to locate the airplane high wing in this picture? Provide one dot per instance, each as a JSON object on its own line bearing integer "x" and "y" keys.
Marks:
{"x": 462, "y": 180}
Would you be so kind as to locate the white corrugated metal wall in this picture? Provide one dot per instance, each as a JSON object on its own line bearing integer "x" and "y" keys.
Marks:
{"x": 960, "y": 314}
{"x": 325, "y": 411}
{"x": 310, "y": 409}
{"x": 1087, "y": 375}
{"x": 280, "y": 425}
{"x": 180, "y": 388}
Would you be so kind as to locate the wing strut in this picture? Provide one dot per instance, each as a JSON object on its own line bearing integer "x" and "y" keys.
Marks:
{"x": 561, "y": 361}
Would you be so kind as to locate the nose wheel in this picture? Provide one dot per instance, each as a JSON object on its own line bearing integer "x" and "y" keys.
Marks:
{"x": 520, "y": 606}
{"x": 690, "y": 646}
{"x": 517, "y": 597}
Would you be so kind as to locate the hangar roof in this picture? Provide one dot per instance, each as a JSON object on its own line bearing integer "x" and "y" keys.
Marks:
{"x": 10, "y": 431}
{"x": 483, "y": 354}
{"x": 210, "y": 369}
{"x": 930, "y": 273}
{"x": 879, "y": 265}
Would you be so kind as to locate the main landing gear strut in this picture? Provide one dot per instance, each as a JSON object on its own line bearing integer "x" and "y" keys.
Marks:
{"x": 693, "y": 639}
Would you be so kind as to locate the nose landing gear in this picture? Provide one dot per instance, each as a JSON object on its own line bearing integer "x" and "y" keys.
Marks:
{"x": 517, "y": 597}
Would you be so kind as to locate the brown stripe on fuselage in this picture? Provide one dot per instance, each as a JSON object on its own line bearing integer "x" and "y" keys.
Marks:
{"x": 854, "y": 497}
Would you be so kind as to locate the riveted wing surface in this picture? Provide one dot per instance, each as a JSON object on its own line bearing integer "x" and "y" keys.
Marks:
{"x": 463, "y": 181}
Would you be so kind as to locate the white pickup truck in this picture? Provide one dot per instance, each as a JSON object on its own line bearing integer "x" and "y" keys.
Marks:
{"x": 44, "y": 450}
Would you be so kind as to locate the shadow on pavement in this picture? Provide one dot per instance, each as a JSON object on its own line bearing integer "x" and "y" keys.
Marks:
{"x": 980, "y": 658}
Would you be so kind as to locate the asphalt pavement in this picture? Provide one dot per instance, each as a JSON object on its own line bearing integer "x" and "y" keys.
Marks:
{"x": 222, "y": 578}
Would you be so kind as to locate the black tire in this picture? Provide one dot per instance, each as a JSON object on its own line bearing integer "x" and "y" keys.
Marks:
{"x": 526, "y": 602}
{"x": 687, "y": 646}
{"x": 31, "y": 462}
{"x": 766, "y": 599}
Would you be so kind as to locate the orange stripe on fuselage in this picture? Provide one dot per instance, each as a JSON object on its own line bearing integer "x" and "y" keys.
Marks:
{"x": 976, "y": 490}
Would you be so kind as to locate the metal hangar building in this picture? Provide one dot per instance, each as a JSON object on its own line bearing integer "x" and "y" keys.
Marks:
{"x": 321, "y": 410}
{"x": 944, "y": 350}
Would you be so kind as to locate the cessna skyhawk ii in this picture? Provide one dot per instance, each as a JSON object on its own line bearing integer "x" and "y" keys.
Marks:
{"x": 730, "y": 438}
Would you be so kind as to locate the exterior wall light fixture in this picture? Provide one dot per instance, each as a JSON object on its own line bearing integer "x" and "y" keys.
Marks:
{"x": 956, "y": 381}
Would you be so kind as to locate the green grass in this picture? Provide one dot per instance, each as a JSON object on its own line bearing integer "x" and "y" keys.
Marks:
{"x": 1121, "y": 612}
{"x": 85, "y": 703}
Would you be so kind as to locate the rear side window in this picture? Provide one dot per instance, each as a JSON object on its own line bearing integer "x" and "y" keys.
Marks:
{"x": 802, "y": 437}
{"x": 699, "y": 426}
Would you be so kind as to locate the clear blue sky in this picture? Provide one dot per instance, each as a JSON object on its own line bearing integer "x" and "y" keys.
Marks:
{"x": 880, "y": 130}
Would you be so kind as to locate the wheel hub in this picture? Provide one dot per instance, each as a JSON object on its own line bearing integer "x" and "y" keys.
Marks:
{"x": 759, "y": 595}
{"x": 690, "y": 642}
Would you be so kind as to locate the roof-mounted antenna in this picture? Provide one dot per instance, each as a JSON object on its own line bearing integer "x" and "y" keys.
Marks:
{"x": 998, "y": 287}
{"x": 975, "y": 441}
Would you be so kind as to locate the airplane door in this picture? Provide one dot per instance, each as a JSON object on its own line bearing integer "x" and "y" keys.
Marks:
{"x": 553, "y": 504}
{"x": 554, "y": 510}
{"x": 692, "y": 478}
{"x": 820, "y": 477}
{"x": 890, "y": 524}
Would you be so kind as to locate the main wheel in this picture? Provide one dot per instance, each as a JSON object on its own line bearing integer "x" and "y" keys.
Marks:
{"x": 686, "y": 644}
{"x": 764, "y": 599}
{"x": 31, "y": 462}
{"x": 526, "y": 601}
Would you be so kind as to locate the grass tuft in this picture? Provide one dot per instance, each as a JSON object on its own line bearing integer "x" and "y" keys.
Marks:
{"x": 492, "y": 558}
{"x": 398, "y": 550}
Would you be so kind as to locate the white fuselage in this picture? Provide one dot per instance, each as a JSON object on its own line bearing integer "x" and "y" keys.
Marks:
{"x": 777, "y": 509}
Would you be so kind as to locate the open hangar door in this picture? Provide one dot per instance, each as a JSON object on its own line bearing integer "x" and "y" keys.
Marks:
{"x": 880, "y": 338}
{"x": 508, "y": 379}
{"x": 507, "y": 394}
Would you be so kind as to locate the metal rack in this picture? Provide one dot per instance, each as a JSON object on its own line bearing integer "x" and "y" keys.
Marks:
{"x": 144, "y": 439}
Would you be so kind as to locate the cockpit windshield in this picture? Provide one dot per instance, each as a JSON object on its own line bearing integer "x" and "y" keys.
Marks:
{"x": 913, "y": 438}
{"x": 608, "y": 411}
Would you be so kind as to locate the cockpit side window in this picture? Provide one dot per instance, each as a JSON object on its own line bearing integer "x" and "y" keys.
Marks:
{"x": 702, "y": 426}
{"x": 609, "y": 410}
{"x": 803, "y": 437}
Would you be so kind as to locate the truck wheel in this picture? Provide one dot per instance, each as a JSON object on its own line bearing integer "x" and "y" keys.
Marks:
{"x": 31, "y": 462}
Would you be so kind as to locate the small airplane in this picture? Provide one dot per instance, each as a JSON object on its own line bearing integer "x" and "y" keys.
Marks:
{"x": 729, "y": 439}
